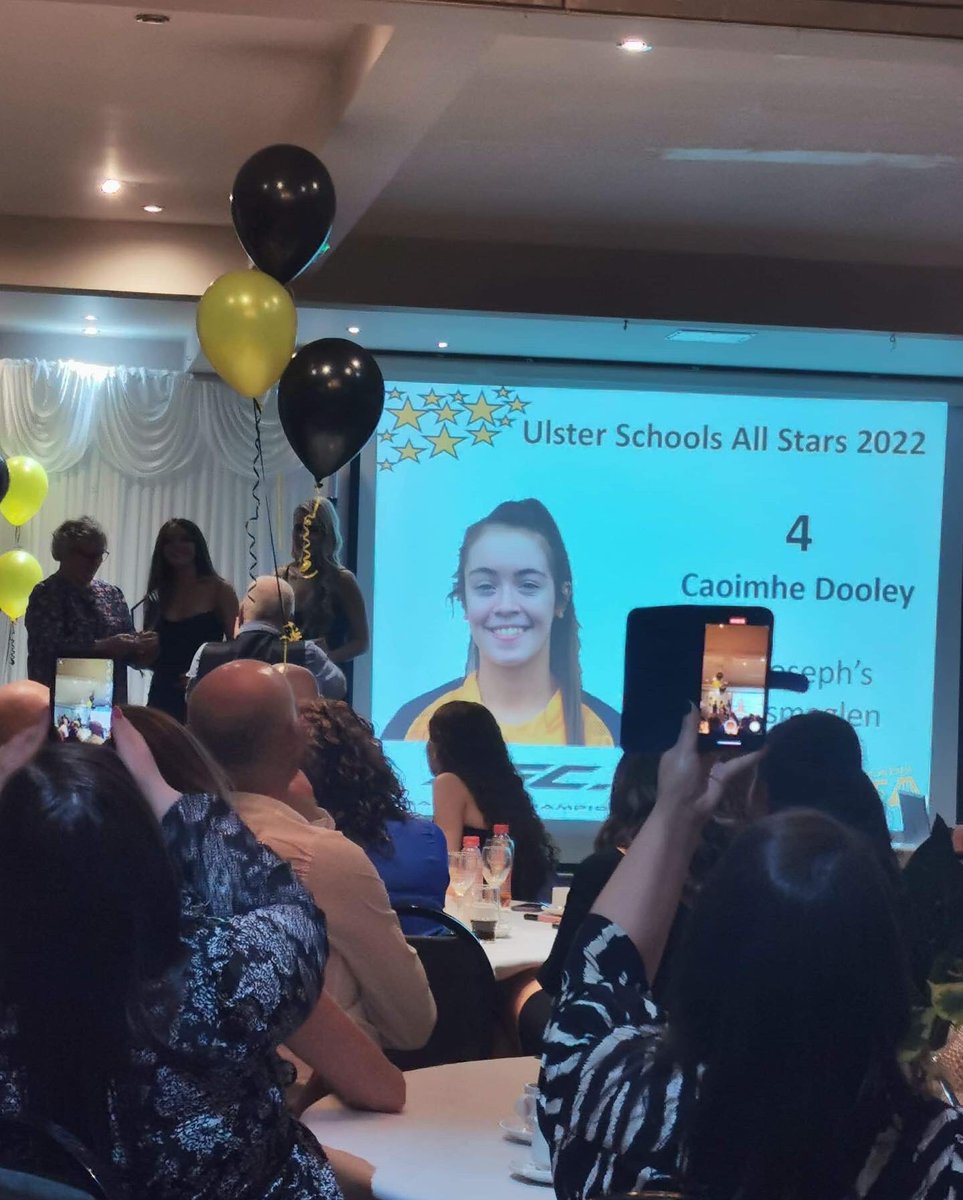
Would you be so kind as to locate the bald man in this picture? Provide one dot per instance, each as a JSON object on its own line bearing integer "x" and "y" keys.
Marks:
{"x": 265, "y": 610}
{"x": 245, "y": 714}
{"x": 303, "y": 683}
{"x": 21, "y": 704}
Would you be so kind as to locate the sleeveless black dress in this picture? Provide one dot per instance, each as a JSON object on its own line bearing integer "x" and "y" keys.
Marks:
{"x": 179, "y": 641}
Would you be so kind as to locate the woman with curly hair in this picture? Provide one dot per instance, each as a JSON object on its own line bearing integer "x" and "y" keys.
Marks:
{"x": 355, "y": 783}
{"x": 476, "y": 787}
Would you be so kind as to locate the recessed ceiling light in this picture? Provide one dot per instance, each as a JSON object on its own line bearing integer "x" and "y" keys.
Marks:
{"x": 442, "y": 345}
{"x": 153, "y": 208}
{"x": 152, "y": 18}
{"x": 90, "y": 317}
{"x": 634, "y": 45}
{"x": 110, "y": 187}
{"x": 353, "y": 329}
{"x": 720, "y": 337}
{"x": 90, "y": 331}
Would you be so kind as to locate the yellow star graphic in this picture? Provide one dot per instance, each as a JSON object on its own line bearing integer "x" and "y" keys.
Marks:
{"x": 484, "y": 434}
{"x": 503, "y": 392}
{"x": 481, "y": 410}
{"x": 395, "y": 394}
{"x": 505, "y": 421}
{"x": 446, "y": 413}
{"x": 407, "y": 415}
{"x": 410, "y": 452}
{"x": 459, "y": 397}
{"x": 518, "y": 405}
{"x": 386, "y": 465}
{"x": 386, "y": 436}
{"x": 432, "y": 397}
{"x": 444, "y": 443}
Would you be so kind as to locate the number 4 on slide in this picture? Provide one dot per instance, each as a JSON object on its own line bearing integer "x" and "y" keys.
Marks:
{"x": 798, "y": 534}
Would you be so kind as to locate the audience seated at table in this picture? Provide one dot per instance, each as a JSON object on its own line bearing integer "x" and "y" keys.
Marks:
{"x": 776, "y": 1074}
{"x": 266, "y": 609}
{"x": 245, "y": 715}
{"x": 342, "y": 1058}
{"x": 477, "y": 787}
{"x": 145, "y": 1026}
{"x": 355, "y": 783}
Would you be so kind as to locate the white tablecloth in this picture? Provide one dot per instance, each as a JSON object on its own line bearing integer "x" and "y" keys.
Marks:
{"x": 528, "y": 945}
{"x": 446, "y": 1145}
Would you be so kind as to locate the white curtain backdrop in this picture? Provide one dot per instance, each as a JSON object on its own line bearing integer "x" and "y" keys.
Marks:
{"x": 133, "y": 448}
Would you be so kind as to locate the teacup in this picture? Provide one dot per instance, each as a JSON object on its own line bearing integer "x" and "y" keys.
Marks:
{"x": 525, "y": 1106}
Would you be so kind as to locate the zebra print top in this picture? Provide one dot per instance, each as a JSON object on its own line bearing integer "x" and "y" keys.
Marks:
{"x": 611, "y": 1106}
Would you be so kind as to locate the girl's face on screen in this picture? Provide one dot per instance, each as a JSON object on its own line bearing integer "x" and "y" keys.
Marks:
{"x": 509, "y": 595}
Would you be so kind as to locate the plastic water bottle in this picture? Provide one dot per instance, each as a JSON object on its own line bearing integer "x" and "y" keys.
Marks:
{"x": 500, "y": 833}
{"x": 472, "y": 860}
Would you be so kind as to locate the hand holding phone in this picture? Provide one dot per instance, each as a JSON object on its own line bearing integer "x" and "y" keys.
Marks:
{"x": 82, "y": 699}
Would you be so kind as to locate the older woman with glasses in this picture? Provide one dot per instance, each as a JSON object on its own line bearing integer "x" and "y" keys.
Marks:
{"x": 71, "y": 614}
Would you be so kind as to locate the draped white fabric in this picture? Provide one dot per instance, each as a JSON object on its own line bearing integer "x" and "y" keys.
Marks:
{"x": 133, "y": 448}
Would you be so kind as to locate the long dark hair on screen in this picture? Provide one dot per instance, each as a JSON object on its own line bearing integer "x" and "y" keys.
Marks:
{"x": 467, "y": 741}
{"x": 90, "y": 904}
{"x": 564, "y": 662}
{"x": 160, "y": 577}
{"x": 791, "y": 994}
{"x": 350, "y": 775}
{"x": 814, "y": 760}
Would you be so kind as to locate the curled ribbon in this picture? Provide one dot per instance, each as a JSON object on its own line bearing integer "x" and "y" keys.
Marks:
{"x": 306, "y": 567}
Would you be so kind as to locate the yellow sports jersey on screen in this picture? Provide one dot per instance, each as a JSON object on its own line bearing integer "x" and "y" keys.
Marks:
{"x": 547, "y": 729}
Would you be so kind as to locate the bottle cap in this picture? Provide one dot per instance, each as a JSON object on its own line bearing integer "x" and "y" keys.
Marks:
{"x": 468, "y": 842}
{"x": 497, "y": 829}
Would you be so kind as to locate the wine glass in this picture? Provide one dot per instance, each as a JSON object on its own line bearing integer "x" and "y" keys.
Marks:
{"x": 496, "y": 864}
{"x": 459, "y": 876}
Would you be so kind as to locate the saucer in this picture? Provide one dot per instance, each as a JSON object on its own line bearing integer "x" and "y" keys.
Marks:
{"x": 516, "y": 1132}
{"x": 530, "y": 1172}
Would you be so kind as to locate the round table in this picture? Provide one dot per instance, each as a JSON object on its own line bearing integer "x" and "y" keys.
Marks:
{"x": 527, "y": 946}
{"x": 447, "y": 1142}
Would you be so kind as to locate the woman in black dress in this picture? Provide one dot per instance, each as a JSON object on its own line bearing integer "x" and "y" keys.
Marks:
{"x": 188, "y": 604}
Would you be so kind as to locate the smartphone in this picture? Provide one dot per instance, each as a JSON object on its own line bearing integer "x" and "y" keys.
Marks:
{"x": 82, "y": 700}
{"x": 711, "y": 656}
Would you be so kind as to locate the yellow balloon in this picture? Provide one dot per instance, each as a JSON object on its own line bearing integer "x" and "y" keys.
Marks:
{"x": 19, "y": 575}
{"x": 247, "y": 325}
{"x": 27, "y": 490}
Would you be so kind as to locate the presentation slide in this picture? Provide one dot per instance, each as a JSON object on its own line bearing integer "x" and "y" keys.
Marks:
{"x": 516, "y": 527}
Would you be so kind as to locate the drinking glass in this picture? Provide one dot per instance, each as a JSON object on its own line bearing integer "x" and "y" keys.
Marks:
{"x": 485, "y": 909}
{"x": 459, "y": 876}
{"x": 496, "y": 863}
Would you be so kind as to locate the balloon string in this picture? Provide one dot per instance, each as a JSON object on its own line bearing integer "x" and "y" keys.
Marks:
{"x": 251, "y": 523}
{"x": 306, "y": 569}
{"x": 11, "y": 645}
{"x": 290, "y": 632}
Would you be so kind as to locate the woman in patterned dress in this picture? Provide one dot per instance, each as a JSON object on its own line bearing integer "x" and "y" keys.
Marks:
{"x": 143, "y": 1015}
{"x": 775, "y": 1075}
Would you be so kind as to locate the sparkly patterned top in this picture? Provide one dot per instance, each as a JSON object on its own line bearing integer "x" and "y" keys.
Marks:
{"x": 64, "y": 621}
{"x": 201, "y": 1115}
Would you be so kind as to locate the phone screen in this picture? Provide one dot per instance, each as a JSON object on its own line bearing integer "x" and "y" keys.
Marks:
{"x": 83, "y": 699}
{"x": 735, "y": 662}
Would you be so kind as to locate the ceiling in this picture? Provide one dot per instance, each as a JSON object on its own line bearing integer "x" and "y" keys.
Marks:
{"x": 517, "y": 142}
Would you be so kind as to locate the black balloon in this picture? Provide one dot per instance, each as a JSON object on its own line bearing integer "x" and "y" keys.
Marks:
{"x": 4, "y": 478}
{"x": 330, "y": 400}
{"x": 282, "y": 206}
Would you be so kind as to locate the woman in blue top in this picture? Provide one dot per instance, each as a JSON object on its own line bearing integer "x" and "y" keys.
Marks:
{"x": 354, "y": 781}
